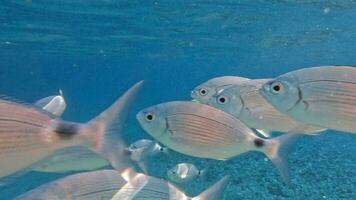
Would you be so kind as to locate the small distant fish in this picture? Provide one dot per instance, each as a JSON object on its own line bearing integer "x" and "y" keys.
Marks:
{"x": 203, "y": 92}
{"x": 184, "y": 172}
{"x": 53, "y": 104}
{"x": 28, "y": 135}
{"x": 245, "y": 102}
{"x": 142, "y": 150}
{"x": 203, "y": 131}
{"x": 110, "y": 184}
{"x": 322, "y": 96}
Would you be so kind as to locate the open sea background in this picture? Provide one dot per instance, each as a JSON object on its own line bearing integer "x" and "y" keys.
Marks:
{"x": 95, "y": 49}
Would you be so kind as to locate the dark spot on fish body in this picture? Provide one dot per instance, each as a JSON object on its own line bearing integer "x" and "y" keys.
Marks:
{"x": 66, "y": 130}
{"x": 259, "y": 143}
{"x": 306, "y": 105}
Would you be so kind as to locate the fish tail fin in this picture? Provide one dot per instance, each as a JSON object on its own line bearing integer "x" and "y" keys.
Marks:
{"x": 104, "y": 132}
{"x": 277, "y": 150}
{"x": 215, "y": 191}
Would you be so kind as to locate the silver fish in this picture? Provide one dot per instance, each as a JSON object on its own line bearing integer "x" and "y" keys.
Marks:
{"x": 203, "y": 131}
{"x": 110, "y": 184}
{"x": 245, "y": 102}
{"x": 203, "y": 92}
{"x": 142, "y": 150}
{"x": 53, "y": 104}
{"x": 29, "y": 135}
{"x": 184, "y": 172}
{"x": 322, "y": 96}
{"x": 141, "y": 186}
{"x": 102, "y": 184}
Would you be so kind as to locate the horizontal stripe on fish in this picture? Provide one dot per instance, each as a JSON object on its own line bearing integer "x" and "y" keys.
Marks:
{"x": 102, "y": 184}
{"x": 146, "y": 193}
{"x": 96, "y": 192}
{"x": 330, "y": 73}
{"x": 338, "y": 97}
{"x": 13, "y": 122}
{"x": 203, "y": 126}
{"x": 212, "y": 134}
{"x": 20, "y": 112}
{"x": 197, "y": 135}
{"x": 208, "y": 129}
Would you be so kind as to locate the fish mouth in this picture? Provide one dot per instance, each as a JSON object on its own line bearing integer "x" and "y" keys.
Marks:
{"x": 139, "y": 118}
{"x": 193, "y": 94}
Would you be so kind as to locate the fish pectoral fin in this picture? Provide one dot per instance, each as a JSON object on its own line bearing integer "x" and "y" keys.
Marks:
{"x": 264, "y": 133}
{"x": 144, "y": 166}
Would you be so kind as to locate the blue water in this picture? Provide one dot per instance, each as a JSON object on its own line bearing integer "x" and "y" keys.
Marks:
{"x": 95, "y": 49}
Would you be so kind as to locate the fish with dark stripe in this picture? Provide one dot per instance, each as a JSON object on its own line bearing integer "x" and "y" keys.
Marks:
{"x": 28, "y": 134}
{"x": 203, "y": 131}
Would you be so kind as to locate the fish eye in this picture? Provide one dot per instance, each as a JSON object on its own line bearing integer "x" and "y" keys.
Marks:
{"x": 149, "y": 117}
{"x": 222, "y": 99}
{"x": 203, "y": 92}
{"x": 276, "y": 87}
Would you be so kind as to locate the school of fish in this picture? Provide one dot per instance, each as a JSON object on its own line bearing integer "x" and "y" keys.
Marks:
{"x": 232, "y": 114}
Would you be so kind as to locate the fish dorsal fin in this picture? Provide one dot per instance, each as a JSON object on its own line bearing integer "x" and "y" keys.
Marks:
{"x": 264, "y": 133}
{"x": 55, "y": 104}
{"x": 143, "y": 165}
